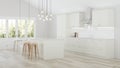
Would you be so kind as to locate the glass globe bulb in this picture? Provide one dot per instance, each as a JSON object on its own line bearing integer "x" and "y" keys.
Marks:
{"x": 46, "y": 18}
{"x": 38, "y": 15}
{"x": 50, "y": 19}
{"x": 43, "y": 20}
{"x": 40, "y": 18}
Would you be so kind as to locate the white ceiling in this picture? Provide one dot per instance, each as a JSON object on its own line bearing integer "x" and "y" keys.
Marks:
{"x": 62, "y": 6}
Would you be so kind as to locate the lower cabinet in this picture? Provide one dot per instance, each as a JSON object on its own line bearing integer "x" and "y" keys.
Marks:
{"x": 103, "y": 48}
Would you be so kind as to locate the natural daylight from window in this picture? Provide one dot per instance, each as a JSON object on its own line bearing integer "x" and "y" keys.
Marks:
{"x": 12, "y": 28}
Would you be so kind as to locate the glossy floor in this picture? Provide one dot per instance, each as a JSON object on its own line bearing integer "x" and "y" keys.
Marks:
{"x": 10, "y": 59}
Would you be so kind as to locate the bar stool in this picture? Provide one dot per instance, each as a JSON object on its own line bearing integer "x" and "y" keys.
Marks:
{"x": 26, "y": 49}
{"x": 34, "y": 50}
{"x": 17, "y": 44}
{"x": 30, "y": 50}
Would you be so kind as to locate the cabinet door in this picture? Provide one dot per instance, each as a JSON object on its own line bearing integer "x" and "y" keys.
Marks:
{"x": 74, "y": 19}
{"x": 61, "y": 26}
{"x": 103, "y": 18}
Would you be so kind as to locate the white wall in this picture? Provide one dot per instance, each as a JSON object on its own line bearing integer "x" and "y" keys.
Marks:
{"x": 52, "y": 29}
{"x": 42, "y": 29}
{"x": 10, "y": 8}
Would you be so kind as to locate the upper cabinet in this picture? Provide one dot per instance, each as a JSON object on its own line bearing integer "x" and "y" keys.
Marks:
{"x": 73, "y": 19}
{"x": 61, "y": 25}
{"x": 76, "y": 19}
{"x": 103, "y": 17}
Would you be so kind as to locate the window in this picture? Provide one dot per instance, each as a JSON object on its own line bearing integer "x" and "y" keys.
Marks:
{"x": 12, "y": 28}
{"x": 30, "y": 30}
{"x": 2, "y": 28}
{"x": 21, "y": 28}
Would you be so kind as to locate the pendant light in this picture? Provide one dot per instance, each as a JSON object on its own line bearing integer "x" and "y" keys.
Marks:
{"x": 45, "y": 10}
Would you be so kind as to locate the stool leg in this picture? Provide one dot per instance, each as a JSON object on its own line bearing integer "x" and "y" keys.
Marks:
{"x": 31, "y": 52}
{"x": 24, "y": 51}
{"x": 29, "y": 49}
{"x": 37, "y": 51}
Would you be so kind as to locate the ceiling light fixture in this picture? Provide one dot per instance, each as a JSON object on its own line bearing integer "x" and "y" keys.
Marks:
{"x": 45, "y": 10}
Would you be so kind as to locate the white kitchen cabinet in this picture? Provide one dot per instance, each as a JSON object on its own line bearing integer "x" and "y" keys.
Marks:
{"x": 74, "y": 19}
{"x": 102, "y": 48}
{"x": 61, "y": 25}
{"x": 51, "y": 48}
{"x": 67, "y": 22}
{"x": 103, "y": 17}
